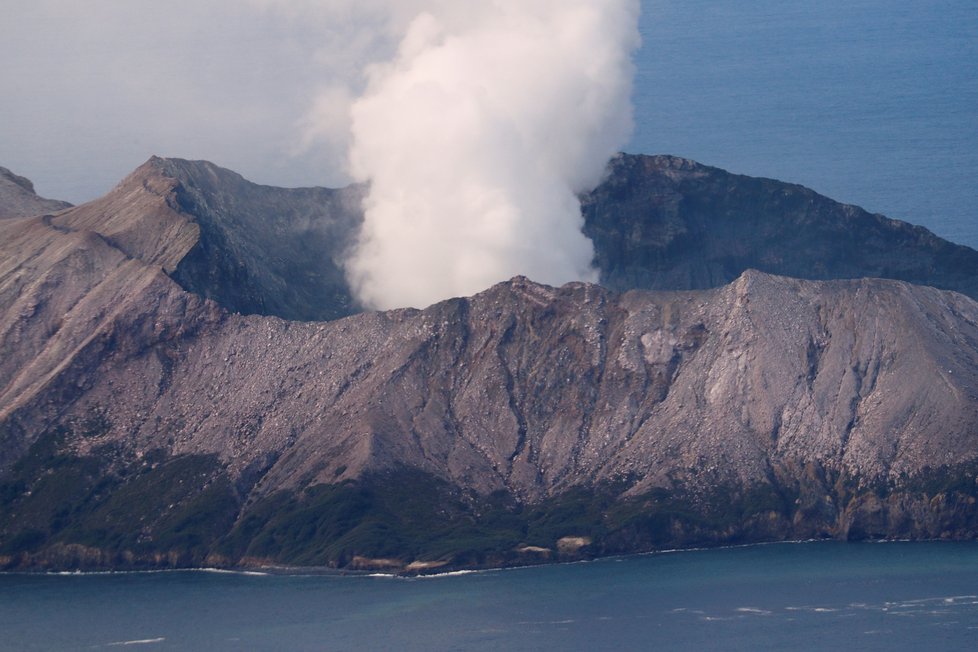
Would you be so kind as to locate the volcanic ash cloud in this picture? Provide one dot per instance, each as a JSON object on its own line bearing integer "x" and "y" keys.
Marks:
{"x": 476, "y": 138}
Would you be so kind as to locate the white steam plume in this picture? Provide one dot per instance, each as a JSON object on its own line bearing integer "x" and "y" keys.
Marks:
{"x": 477, "y": 130}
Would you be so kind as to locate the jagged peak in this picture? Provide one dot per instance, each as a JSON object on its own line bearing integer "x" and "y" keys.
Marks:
{"x": 188, "y": 168}
{"x": 664, "y": 162}
{"x": 531, "y": 292}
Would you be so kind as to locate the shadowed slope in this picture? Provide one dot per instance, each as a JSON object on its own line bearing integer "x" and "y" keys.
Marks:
{"x": 662, "y": 222}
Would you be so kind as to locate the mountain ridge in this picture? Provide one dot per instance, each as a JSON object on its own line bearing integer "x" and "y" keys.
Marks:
{"x": 657, "y": 222}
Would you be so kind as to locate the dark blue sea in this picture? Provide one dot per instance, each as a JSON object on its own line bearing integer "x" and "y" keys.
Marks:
{"x": 871, "y": 102}
{"x": 808, "y": 596}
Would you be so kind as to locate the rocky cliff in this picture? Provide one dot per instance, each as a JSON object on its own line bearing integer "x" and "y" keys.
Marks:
{"x": 661, "y": 222}
{"x": 142, "y": 424}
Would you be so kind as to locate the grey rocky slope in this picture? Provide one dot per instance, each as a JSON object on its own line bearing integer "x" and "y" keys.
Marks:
{"x": 533, "y": 390}
{"x": 521, "y": 422}
{"x": 18, "y": 199}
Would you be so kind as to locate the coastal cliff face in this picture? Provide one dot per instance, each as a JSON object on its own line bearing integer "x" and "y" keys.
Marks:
{"x": 145, "y": 425}
{"x": 666, "y": 223}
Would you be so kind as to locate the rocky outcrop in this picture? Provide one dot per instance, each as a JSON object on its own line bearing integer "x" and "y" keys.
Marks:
{"x": 18, "y": 199}
{"x": 145, "y": 425}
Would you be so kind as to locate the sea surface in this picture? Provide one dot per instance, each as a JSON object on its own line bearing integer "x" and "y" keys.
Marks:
{"x": 805, "y": 596}
{"x": 870, "y": 102}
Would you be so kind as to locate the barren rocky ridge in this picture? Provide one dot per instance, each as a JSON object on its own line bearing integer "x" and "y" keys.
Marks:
{"x": 766, "y": 408}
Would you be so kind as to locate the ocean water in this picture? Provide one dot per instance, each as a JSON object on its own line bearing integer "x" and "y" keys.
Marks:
{"x": 809, "y": 596}
{"x": 870, "y": 102}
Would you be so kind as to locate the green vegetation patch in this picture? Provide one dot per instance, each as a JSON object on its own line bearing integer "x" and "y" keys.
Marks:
{"x": 961, "y": 479}
{"x": 408, "y": 515}
{"x": 53, "y": 497}
{"x": 58, "y": 509}
{"x": 183, "y": 503}
{"x": 405, "y": 515}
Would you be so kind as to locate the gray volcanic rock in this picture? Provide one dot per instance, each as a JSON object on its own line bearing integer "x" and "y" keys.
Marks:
{"x": 534, "y": 390}
{"x": 145, "y": 425}
{"x": 840, "y": 408}
{"x": 661, "y": 222}
{"x": 18, "y": 199}
{"x": 254, "y": 249}
{"x": 265, "y": 250}
{"x": 62, "y": 295}
{"x": 657, "y": 222}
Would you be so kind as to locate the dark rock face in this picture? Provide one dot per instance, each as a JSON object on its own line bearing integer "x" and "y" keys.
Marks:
{"x": 666, "y": 223}
{"x": 265, "y": 250}
{"x": 143, "y": 425}
{"x": 18, "y": 199}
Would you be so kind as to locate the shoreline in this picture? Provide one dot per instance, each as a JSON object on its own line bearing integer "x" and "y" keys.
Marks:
{"x": 326, "y": 571}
